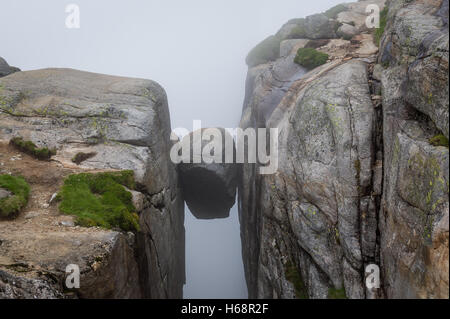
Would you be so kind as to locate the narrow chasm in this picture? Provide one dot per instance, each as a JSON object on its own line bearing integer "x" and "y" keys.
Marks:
{"x": 213, "y": 247}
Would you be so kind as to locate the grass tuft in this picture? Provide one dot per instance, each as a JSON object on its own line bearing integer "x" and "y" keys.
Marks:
{"x": 30, "y": 148}
{"x": 298, "y": 32}
{"x": 81, "y": 157}
{"x": 310, "y": 58}
{"x": 11, "y": 206}
{"x": 383, "y": 21}
{"x": 100, "y": 200}
{"x": 334, "y": 293}
{"x": 292, "y": 274}
{"x": 439, "y": 140}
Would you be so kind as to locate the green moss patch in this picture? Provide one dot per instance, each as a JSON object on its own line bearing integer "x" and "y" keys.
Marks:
{"x": 334, "y": 293}
{"x": 357, "y": 164}
{"x": 439, "y": 140}
{"x": 310, "y": 58}
{"x": 292, "y": 274}
{"x": 267, "y": 50}
{"x": 30, "y": 148}
{"x": 298, "y": 32}
{"x": 11, "y": 206}
{"x": 81, "y": 157}
{"x": 383, "y": 21}
{"x": 334, "y": 11}
{"x": 100, "y": 200}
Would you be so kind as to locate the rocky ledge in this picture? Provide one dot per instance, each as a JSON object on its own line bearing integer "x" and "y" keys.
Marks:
{"x": 93, "y": 123}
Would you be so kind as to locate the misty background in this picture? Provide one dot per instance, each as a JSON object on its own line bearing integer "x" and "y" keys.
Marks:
{"x": 195, "y": 49}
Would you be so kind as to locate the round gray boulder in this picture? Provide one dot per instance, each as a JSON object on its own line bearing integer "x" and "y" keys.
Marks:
{"x": 209, "y": 185}
{"x": 347, "y": 31}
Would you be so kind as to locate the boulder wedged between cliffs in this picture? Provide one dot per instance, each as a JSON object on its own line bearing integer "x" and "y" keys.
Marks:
{"x": 209, "y": 187}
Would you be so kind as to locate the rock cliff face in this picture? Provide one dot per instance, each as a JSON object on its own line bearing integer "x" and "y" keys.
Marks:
{"x": 124, "y": 124}
{"x": 310, "y": 229}
{"x": 414, "y": 213}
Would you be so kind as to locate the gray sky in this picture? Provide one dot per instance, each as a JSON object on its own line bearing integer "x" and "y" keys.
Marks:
{"x": 195, "y": 49}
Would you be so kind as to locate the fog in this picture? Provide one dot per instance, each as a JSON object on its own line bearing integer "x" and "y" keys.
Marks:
{"x": 195, "y": 49}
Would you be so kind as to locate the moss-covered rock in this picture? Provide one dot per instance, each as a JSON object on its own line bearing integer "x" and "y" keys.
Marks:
{"x": 298, "y": 32}
{"x": 334, "y": 11}
{"x": 298, "y": 29}
{"x": 100, "y": 200}
{"x": 20, "y": 190}
{"x": 439, "y": 140}
{"x": 30, "y": 148}
{"x": 126, "y": 121}
{"x": 266, "y": 51}
{"x": 383, "y": 20}
{"x": 310, "y": 58}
